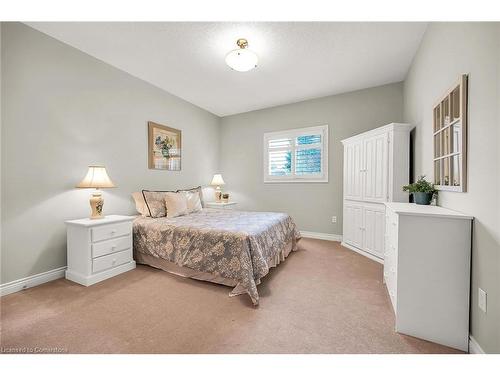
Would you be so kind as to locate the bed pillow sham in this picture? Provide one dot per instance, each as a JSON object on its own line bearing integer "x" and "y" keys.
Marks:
{"x": 195, "y": 190}
{"x": 155, "y": 202}
{"x": 140, "y": 204}
{"x": 193, "y": 201}
{"x": 176, "y": 204}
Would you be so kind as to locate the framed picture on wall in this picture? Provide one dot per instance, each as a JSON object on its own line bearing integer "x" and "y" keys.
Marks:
{"x": 164, "y": 147}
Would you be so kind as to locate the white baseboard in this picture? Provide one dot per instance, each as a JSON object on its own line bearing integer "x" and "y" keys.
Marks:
{"x": 321, "y": 236}
{"x": 474, "y": 347}
{"x": 31, "y": 281}
{"x": 364, "y": 253}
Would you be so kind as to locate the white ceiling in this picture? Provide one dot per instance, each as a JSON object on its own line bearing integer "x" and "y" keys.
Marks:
{"x": 297, "y": 61}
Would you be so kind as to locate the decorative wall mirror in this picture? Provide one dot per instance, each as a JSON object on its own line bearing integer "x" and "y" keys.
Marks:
{"x": 450, "y": 139}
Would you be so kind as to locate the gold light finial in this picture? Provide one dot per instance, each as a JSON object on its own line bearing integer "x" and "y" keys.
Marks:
{"x": 242, "y": 43}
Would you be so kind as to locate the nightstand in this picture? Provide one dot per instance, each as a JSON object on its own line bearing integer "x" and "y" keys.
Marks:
{"x": 221, "y": 205}
{"x": 99, "y": 249}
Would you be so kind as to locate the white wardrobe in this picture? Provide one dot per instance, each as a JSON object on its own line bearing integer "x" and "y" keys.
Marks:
{"x": 376, "y": 166}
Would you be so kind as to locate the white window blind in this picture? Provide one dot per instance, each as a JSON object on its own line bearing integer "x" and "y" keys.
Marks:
{"x": 298, "y": 155}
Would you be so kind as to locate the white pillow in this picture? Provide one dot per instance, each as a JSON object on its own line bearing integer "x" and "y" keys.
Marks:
{"x": 193, "y": 201}
{"x": 140, "y": 204}
{"x": 176, "y": 204}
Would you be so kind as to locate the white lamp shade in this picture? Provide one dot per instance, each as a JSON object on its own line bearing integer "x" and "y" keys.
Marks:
{"x": 96, "y": 177}
{"x": 242, "y": 60}
{"x": 217, "y": 180}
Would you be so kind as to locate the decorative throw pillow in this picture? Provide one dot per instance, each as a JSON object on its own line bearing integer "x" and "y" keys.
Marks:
{"x": 195, "y": 190}
{"x": 176, "y": 204}
{"x": 140, "y": 203}
{"x": 155, "y": 202}
{"x": 193, "y": 201}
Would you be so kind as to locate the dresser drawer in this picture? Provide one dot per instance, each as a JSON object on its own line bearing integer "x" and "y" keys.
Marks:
{"x": 107, "y": 232}
{"x": 392, "y": 231}
{"x": 111, "y": 260}
{"x": 111, "y": 246}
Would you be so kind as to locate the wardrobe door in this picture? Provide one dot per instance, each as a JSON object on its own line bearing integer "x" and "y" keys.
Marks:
{"x": 374, "y": 229}
{"x": 352, "y": 170}
{"x": 353, "y": 224}
{"x": 375, "y": 168}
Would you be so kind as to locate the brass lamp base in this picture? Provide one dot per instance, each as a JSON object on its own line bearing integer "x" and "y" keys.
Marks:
{"x": 96, "y": 204}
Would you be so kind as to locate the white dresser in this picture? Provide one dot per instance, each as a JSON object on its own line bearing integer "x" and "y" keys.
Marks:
{"x": 99, "y": 249}
{"x": 427, "y": 272}
{"x": 376, "y": 166}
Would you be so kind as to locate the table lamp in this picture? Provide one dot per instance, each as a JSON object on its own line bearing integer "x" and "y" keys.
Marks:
{"x": 217, "y": 181}
{"x": 96, "y": 178}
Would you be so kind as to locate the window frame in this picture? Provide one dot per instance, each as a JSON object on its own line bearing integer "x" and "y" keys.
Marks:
{"x": 443, "y": 152}
{"x": 321, "y": 177}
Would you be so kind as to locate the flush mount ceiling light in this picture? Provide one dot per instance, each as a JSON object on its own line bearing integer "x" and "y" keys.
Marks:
{"x": 242, "y": 59}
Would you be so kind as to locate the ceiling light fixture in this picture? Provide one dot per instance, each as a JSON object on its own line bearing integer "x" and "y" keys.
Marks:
{"x": 242, "y": 59}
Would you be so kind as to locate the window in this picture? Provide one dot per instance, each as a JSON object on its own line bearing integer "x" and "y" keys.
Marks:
{"x": 297, "y": 155}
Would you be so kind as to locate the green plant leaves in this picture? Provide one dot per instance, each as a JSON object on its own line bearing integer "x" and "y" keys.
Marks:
{"x": 422, "y": 186}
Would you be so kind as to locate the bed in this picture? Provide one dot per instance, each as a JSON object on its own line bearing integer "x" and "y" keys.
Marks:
{"x": 233, "y": 248}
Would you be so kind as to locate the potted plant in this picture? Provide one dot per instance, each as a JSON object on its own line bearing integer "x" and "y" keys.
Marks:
{"x": 423, "y": 191}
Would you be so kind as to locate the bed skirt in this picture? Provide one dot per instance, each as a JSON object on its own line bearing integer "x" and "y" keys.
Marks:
{"x": 173, "y": 268}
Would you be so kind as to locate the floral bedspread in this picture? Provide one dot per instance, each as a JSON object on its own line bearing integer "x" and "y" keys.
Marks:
{"x": 237, "y": 245}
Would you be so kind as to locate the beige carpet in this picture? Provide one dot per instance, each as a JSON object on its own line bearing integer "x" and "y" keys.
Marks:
{"x": 322, "y": 299}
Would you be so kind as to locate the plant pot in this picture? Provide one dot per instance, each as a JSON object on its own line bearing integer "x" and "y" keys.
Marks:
{"x": 423, "y": 198}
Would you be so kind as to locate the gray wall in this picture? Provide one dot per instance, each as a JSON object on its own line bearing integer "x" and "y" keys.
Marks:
{"x": 311, "y": 204}
{"x": 448, "y": 50}
{"x": 63, "y": 110}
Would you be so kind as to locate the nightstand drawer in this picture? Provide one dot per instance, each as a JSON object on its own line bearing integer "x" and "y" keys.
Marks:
{"x": 111, "y": 246}
{"x": 112, "y": 260}
{"x": 107, "y": 232}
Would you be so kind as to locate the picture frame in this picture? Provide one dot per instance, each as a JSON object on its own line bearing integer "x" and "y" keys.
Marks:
{"x": 164, "y": 147}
